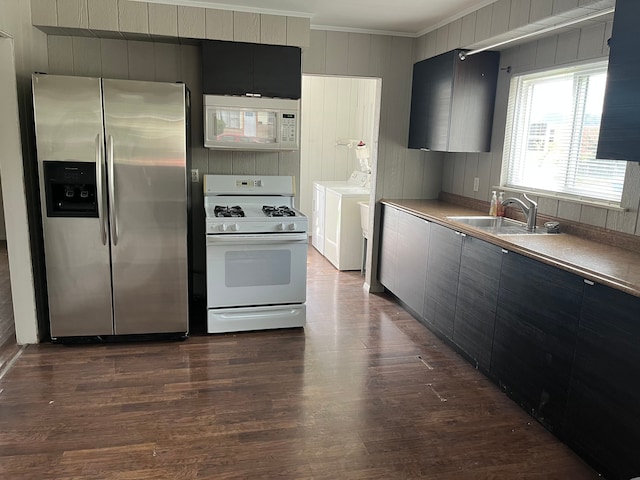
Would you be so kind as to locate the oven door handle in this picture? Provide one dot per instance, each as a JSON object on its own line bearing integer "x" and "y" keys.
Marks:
{"x": 257, "y": 239}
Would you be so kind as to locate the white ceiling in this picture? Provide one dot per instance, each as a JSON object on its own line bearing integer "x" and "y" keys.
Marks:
{"x": 400, "y": 17}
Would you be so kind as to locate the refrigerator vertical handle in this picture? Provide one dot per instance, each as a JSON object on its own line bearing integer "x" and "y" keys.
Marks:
{"x": 112, "y": 193}
{"x": 100, "y": 189}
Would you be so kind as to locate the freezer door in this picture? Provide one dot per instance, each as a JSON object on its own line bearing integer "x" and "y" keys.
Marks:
{"x": 145, "y": 125}
{"x": 68, "y": 121}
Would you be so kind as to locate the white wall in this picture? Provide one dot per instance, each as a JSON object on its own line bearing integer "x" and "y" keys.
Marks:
{"x": 334, "y": 109}
{"x": 24, "y": 50}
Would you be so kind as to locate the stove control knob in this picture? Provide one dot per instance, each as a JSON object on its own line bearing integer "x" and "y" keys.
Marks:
{"x": 280, "y": 226}
{"x": 235, "y": 227}
{"x": 222, "y": 227}
{"x": 292, "y": 226}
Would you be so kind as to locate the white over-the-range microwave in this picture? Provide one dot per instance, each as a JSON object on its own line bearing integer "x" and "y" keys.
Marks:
{"x": 251, "y": 123}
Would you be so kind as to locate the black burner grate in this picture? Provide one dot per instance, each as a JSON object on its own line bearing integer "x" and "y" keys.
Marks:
{"x": 283, "y": 211}
{"x": 220, "y": 211}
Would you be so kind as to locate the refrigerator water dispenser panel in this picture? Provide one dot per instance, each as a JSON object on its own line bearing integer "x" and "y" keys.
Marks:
{"x": 70, "y": 189}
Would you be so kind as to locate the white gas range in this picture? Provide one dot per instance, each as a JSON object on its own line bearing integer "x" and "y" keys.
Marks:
{"x": 256, "y": 253}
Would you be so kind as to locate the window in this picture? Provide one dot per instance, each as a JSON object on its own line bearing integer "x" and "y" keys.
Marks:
{"x": 553, "y": 123}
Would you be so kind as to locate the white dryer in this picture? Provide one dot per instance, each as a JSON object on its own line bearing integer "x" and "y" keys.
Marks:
{"x": 336, "y": 228}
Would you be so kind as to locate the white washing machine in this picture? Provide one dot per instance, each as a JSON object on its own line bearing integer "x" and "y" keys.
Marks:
{"x": 343, "y": 229}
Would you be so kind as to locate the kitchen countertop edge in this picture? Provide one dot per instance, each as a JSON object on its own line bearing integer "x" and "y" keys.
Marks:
{"x": 565, "y": 251}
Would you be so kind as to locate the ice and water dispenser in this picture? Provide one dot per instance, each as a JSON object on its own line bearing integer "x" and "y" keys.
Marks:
{"x": 70, "y": 189}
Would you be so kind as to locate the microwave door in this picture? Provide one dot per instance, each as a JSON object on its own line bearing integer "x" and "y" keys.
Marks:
{"x": 239, "y": 123}
{"x": 243, "y": 127}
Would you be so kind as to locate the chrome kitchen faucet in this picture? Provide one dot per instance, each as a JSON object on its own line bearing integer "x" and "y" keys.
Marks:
{"x": 530, "y": 211}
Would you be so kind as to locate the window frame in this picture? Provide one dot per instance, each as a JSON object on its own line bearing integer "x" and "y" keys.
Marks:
{"x": 515, "y": 134}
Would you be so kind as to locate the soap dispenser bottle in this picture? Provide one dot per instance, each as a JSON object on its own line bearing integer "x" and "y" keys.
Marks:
{"x": 500, "y": 207}
{"x": 493, "y": 209}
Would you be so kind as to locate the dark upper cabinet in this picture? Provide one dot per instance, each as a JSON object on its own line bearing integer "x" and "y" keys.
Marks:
{"x": 277, "y": 71}
{"x": 620, "y": 123}
{"x": 535, "y": 335}
{"x": 452, "y": 102}
{"x": 237, "y": 68}
{"x": 477, "y": 300}
{"x": 445, "y": 246}
{"x": 603, "y": 410}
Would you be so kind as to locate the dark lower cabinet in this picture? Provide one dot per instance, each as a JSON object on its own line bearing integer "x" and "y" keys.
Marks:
{"x": 477, "y": 300}
{"x": 535, "y": 335}
{"x": 603, "y": 410}
{"x": 403, "y": 256}
{"x": 387, "y": 261}
{"x": 412, "y": 250}
{"x": 445, "y": 247}
{"x": 567, "y": 350}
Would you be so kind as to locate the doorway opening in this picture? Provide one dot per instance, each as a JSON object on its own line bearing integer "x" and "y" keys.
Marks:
{"x": 340, "y": 119}
{"x": 337, "y": 113}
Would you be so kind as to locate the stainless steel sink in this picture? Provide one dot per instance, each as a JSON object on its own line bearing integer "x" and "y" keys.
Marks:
{"x": 497, "y": 225}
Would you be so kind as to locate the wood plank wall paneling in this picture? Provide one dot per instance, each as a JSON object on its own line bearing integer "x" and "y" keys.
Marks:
{"x": 133, "y": 17}
{"x": 246, "y": 27}
{"x": 73, "y": 13}
{"x": 137, "y": 19}
{"x": 273, "y": 29}
{"x": 103, "y": 15}
{"x": 44, "y": 12}
{"x": 163, "y": 20}
{"x": 219, "y": 24}
{"x": 298, "y": 31}
{"x": 191, "y": 22}
{"x": 334, "y": 108}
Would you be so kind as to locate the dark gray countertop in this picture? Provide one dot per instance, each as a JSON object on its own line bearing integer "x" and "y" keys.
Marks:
{"x": 613, "y": 266}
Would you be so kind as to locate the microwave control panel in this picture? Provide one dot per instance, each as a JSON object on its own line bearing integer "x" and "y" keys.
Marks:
{"x": 288, "y": 129}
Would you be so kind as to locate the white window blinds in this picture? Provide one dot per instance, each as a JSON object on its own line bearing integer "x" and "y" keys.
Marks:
{"x": 553, "y": 123}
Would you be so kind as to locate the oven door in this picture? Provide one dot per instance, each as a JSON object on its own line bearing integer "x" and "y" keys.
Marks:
{"x": 256, "y": 269}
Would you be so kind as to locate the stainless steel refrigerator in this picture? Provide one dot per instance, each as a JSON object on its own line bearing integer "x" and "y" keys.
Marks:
{"x": 112, "y": 163}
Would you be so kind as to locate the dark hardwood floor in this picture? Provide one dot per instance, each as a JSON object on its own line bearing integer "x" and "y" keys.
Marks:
{"x": 363, "y": 392}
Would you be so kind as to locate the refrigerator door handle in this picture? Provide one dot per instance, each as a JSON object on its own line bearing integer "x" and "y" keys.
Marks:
{"x": 112, "y": 192}
{"x": 100, "y": 190}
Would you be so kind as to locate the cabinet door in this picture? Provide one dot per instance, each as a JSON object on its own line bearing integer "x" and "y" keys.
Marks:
{"x": 387, "y": 265}
{"x": 277, "y": 71}
{"x": 603, "y": 411}
{"x": 420, "y": 89}
{"x": 227, "y": 68}
{"x": 441, "y": 72}
{"x": 431, "y": 103}
{"x": 442, "y": 279}
{"x": 477, "y": 300}
{"x": 621, "y": 111}
{"x": 474, "y": 96}
{"x": 535, "y": 335}
{"x": 412, "y": 251}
